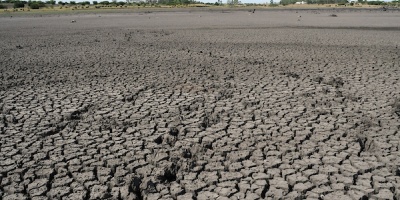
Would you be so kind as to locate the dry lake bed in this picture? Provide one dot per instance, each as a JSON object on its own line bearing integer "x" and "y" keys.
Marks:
{"x": 277, "y": 104}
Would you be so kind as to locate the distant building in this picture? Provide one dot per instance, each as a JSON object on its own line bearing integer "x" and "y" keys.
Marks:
{"x": 301, "y": 2}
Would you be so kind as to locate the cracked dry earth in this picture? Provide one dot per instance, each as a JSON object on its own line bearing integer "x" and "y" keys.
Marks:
{"x": 200, "y": 105}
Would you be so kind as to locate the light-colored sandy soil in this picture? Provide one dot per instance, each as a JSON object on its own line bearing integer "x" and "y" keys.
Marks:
{"x": 201, "y": 105}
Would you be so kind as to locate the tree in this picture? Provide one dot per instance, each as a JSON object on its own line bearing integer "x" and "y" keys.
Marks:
{"x": 34, "y": 6}
{"x": 104, "y": 2}
{"x": 19, "y": 4}
{"x": 95, "y": 2}
{"x": 72, "y": 2}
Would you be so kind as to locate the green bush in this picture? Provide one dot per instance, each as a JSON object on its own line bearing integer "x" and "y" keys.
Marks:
{"x": 34, "y": 6}
{"x": 19, "y": 4}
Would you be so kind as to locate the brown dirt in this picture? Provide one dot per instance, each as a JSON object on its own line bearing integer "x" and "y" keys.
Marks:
{"x": 202, "y": 105}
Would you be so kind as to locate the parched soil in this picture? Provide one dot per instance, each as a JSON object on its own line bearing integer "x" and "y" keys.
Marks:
{"x": 201, "y": 105}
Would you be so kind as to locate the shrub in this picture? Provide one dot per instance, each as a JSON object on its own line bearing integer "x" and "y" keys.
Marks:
{"x": 3, "y": 7}
{"x": 19, "y": 4}
{"x": 34, "y": 6}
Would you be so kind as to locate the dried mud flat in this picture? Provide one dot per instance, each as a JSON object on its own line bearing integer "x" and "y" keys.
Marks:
{"x": 201, "y": 105}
